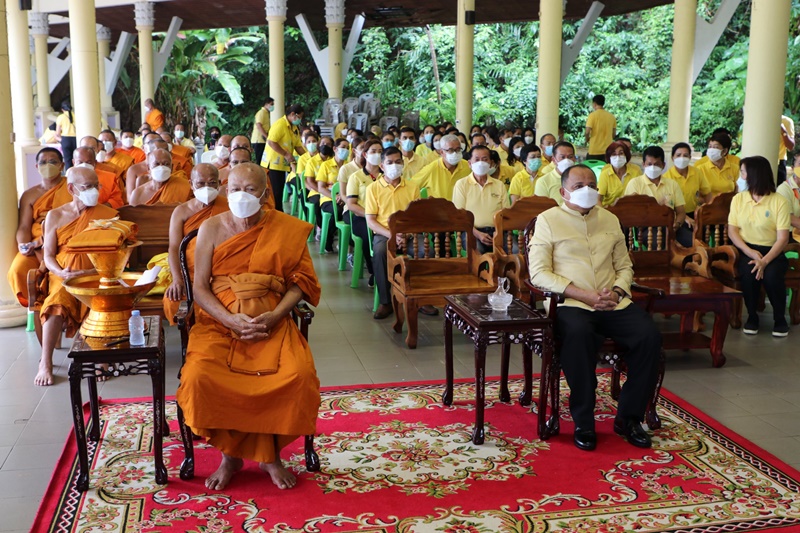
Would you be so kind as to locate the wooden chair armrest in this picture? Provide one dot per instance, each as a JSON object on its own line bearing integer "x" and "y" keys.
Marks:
{"x": 652, "y": 293}
{"x": 478, "y": 263}
{"x": 303, "y": 315}
{"x": 725, "y": 258}
{"x": 184, "y": 315}
{"x": 540, "y": 294}
{"x": 697, "y": 262}
{"x": 398, "y": 266}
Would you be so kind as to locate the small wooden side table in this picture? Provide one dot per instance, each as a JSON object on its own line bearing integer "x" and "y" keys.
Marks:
{"x": 124, "y": 360}
{"x": 519, "y": 324}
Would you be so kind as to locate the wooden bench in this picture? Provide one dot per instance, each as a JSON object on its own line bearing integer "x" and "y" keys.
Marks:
{"x": 434, "y": 269}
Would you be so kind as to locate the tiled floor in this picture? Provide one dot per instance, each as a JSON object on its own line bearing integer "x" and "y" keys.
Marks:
{"x": 755, "y": 393}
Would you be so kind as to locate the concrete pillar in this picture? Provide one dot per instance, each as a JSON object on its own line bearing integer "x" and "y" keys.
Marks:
{"x": 20, "y": 64}
{"x": 11, "y": 314}
{"x": 766, "y": 72}
{"x": 551, "y": 19}
{"x": 83, "y": 49}
{"x": 334, "y": 19}
{"x": 680, "y": 82}
{"x": 465, "y": 59}
{"x": 145, "y": 20}
{"x": 103, "y": 51}
{"x": 276, "y": 16}
{"x": 40, "y": 28}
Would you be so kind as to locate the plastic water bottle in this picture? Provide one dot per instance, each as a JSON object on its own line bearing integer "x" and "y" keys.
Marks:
{"x": 136, "y": 328}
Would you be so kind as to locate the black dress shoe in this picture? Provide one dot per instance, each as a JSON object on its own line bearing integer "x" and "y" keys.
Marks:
{"x": 585, "y": 439}
{"x": 382, "y": 312}
{"x": 428, "y": 310}
{"x": 633, "y": 432}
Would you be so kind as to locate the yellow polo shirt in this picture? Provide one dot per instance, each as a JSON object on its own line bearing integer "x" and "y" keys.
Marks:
{"x": 759, "y": 222}
{"x": 328, "y": 172}
{"x": 345, "y": 171}
{"x": 667, "y": 192}
{"x": 720, "y": 180}
{"x": 285, "y": 135}
{"x": 522, "y": 184}
{"x": 311, "y": 169}
{"x": 302, "y": 161}
{"x": 611, "y": 187}
{"x": 734, "y": 159}
{"x": 439, "y": 180}
{"x": 588, "y": 251}
{"x": 482, "y": 201}
{"x": 357, "y": 186}
{"x": 547, "y": 167}
{"x": 412, "y": 165}
{"x": 603, "y": 125}
{"x": 262, "y": 117}
{"x": 789, "y": 190}
{"x": 422, "y": 150}
{"x": 549, "y": 185}
{"x": 694, "y": 182}
{"x": 383, "y": 200}
{"x": 67, "y": 127}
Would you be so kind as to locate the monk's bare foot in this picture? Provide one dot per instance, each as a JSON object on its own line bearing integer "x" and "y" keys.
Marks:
{"x": 44, "y": 377}
{"x": 227, "y": 468}
{"x": 282, "y": 478}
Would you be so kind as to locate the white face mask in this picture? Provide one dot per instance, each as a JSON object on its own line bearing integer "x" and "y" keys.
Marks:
{"x": 108, "y": 146}
{"x": 714, "y": 154}
{"x": 147, "y": 148}
{"x": 374, "y": 159}
{"x": 741, "y": 184}
{"x": 84, "y": 165}
{"x": 618, "y": 161}
{"x": 393, "y": 170}
{"x": 480, "y": 168}
{"x": 517, "y": 152}
{"x": 492, "y": 170}
{"x": 681, "y": 162}
{"x": 101, "y": 156}
{"x": 243, "y": 204}
{"x": 452, "y": 158}
{"x": 653, "y": 172}
{"x": 463, "y": 147}
{"x": 506, "y": 141}
{"x": 169, "y": 147}
{"x": 179, "y": 134}
{"x": 564, "y": 164}
{"x": 89, "y": 197}
{"x": 160, "y": 173}
{"x": 585, "y": 197}
{"x": 223, "y": 152}
{"x": 437, "y": 145}
{"x": 528, "y": 140}
{"x": 127, "y": 142}
{"x": 206, "y": 195}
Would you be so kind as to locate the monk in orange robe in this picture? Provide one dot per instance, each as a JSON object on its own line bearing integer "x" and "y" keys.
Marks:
{"x": 61, "y": 224}
{"x": 110, "y": 192}
{"x": 222, "y": 152}
{"x": 113, "y": 156}
{"x": 34, "y": 205}
{"x": 127, "y": 138}
{"x": 237, "y": 157}
{"x": 154, "y": 117}
{"x": 187, "y": 217}
{"x": 165, "y": 186}
{"x": 249, "y": 385}
{"x": 181, "y": 156}
{"x": 139, "y": 174}
{"x": 101, "y": 163}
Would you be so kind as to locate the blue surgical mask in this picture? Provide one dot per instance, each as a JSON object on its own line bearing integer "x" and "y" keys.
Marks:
{"x": 407, "y": 144}
{"x": 342, "y": 153}
{"x": 387, "y": 144}
{"x": 548, "y": 151}
{"x": 534, "y": 164}
{"x": 428, "y": 137}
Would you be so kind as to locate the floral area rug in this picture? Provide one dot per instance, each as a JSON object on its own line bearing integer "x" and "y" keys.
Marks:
{"x": 394, "y": 459}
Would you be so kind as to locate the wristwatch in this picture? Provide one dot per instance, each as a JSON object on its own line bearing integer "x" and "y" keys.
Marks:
{"x": 619, "y": 292}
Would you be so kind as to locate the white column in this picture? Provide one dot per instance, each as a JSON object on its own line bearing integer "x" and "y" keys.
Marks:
{"x": 276, "y": 16}
{"x": 465, "y": 60}
{"x": 83, "y": 49}
{"x": 766, "y": 70}
{"x": 103, "y": 51}
{"x": 20, "y": 64}
{"x": 40, "y": 29}
{"x": 551, "y": 19}
{"x": 334, "y": 19}
{"x": 145, "y": 20}
{"x": 680, "y": 81}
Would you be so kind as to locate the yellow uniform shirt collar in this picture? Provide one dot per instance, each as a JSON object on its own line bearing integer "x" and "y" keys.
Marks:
{"x": 384, "y": 183}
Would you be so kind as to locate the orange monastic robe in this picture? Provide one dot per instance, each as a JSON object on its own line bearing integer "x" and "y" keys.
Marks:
{"x": 273, "y": 395}
{"x": 155, "y": 118}
{"x": 58, "y": 300}
{"x": 192, "y": 223}
{"x": 18, "y": 273}
{"x": 175, "y": 190}
{"x": 110, "y": 192}
{"x": 137, "y": 154}
{"x": 122, "y": 161}
{"x": 182, "y": 158}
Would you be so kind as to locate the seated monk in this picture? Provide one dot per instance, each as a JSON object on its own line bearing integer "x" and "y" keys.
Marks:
{"x": 249, "y": 384}
{"x": 139, "y": 173}
{"x": 100, "y": 158}
{"x": 127, "y": 138}
{"x": 115, "y": 157}
{"x": 110, "y": 192}
{"x": 165, "y": 187}
{"x": 187, "y": 217}
{"x": 181, "y": 157}
{"x": 222, "y": 152}
{"x": 61, "y": 224}
{"x": 237, "y": 157}
{"x": 34, "y": 205}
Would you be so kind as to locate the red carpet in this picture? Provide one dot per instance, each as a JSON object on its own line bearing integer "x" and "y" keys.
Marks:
{"x": 395, "y": 460}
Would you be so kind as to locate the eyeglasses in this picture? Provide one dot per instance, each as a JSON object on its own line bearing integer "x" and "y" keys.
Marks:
{"x": 451, "y": 150}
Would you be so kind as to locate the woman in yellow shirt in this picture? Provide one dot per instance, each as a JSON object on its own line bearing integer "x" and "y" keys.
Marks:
{"x": 693, "y": 184}
{"x": 357, "y": 184}
{"x": 614, "y": 177}
{"x": 514, "y": 153}
{"x": 759, "y": 225}
{"x": 523, "y": 182}
{"x": 65, "y": 133}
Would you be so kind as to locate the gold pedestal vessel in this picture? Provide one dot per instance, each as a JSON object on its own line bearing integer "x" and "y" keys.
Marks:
{"x": 110, "y": 302}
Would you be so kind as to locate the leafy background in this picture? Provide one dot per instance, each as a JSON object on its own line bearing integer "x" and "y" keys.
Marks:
{"x": 221, "y": 77}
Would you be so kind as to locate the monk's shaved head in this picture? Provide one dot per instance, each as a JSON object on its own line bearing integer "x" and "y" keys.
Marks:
{"x": 225, "y": 140}
{"x": 82, "y": 176}
{"x": 239, "y": 156}
{"x": 248, "y": 177}
{"x": 159, "y": 156}
{"x": 89, "y": 142}
{"x": 240, "y": 141}
{"x": 205, "y": 175}
{"x": 152, "y": 137}
{"x": 84, "y": 155}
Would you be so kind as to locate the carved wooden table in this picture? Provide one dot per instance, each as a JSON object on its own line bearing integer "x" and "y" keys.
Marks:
{"x": 124, "y": 360}
{"x": 519, "y": 324}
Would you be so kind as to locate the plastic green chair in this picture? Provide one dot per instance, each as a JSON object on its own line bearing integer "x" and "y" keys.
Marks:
{"x": 326, "y": 223}
{"x": 286, "y": 192}
{"x": 297, "y": 195}
{"x": 596, "y": 166}
{"x": 344, "y": 231}
{"x": 311, "y": 211}
{"x": 358, "y": 260}
{"x": 423, "y": 192}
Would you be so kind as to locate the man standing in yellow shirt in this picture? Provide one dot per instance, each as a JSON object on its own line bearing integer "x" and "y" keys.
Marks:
{"x": 601, "y": 128}
{"x": 441, "y": 175}
{"x": 786, "y": 146}
{"x": 282, "y": 141}
{"x": 595, "y": 276}
{"x": 258, "y": 138}
{"x": 549, "y": 185}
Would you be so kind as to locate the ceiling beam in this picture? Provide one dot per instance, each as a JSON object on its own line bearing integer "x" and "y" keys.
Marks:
{"x": 58, "y": 6}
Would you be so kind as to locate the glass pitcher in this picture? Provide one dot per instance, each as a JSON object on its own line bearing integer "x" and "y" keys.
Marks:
{"x": 501, "y": 298}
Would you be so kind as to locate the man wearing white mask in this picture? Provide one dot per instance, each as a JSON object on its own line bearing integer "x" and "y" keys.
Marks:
{"x": 719, "y": 166}
{"x": 127, "y": 141}
{"x": 412, "y": 162}
{"x": 187, "y": 217}
{"x": 549, "y": 184}
{"x": 181, "y": 138}
{"x": 111, "y": 155}
{"x": 164, "y": 187}
{"x": 249, "y": 385}
{"x": 595, "y": 276}
{"x": 222, "y": 151}
{"x": 110, "y": 191}
{"x": 654, "y": 184}
{"x": 139, "y": 173}
{"x": 481, "y": 195}
{"x": 440, "y": 176}
{"x": 61, "y": 224}
{"x": 693, "y": 184}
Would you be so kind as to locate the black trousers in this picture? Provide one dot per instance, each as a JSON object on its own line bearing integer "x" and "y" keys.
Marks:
{"x": 582, "y": 332}
{"x": 773, "y": 281}
{"x": 258, "y": 150}
{"x": 380, "y": 270}
{"x": 315, "y": 200}
{"x": 781, "y": 171}
{"x": 328, "y": 207}
{"x": 277, "y": 181}
{"x": 685, "y": 234}
{"x": 358, "y": 226}
{"x": 68, "y": 145}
